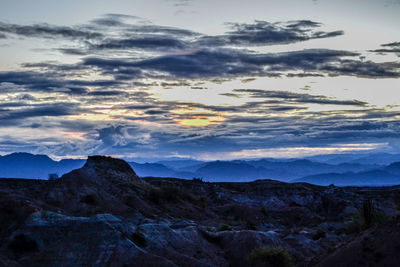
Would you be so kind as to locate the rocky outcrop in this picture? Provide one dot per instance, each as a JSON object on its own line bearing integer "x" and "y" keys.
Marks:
{"x": 101, "y": 240}
{"x": 103, "y": 169}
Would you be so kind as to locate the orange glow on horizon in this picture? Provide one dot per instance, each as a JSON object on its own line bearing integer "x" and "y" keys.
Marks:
{"x": 200, "y": 121}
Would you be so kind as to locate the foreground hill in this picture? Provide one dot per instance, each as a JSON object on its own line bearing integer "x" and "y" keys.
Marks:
{"x": 103, "y": 214}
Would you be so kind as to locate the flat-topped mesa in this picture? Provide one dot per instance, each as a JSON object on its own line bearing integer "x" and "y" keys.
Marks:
{"x": 104, "y": 167}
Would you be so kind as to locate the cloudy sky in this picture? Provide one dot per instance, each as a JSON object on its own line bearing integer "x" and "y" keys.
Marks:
{"x": 199, "y": 78}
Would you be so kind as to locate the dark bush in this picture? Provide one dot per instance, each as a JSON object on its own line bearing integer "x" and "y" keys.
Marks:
{"x": 365, "y": 218}
{"x": 271, "y": 256}
{"x": 368, "y": 212}
{"x": 224, "y": 227}
{"x": 210, "y": 237}
{"x": 52, "y": 176}
{"x": 139, "y": 239}
{"x": 22, "y": 244}
{"x": 90, "y": 199}
{"x": 319, "y": 234}
{"x": 264, "y": 210}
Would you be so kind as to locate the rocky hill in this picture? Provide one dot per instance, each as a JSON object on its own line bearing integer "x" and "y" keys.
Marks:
{"x": 103, "y": 214}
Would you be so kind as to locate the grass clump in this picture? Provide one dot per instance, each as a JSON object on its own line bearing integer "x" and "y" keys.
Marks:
{"x": 224, "y": 227}
{"x": 365, "y": 218}
{"x": 271, "y": 256}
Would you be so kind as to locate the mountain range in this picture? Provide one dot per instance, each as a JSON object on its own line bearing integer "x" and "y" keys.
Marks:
{"x": 321, "y": 170}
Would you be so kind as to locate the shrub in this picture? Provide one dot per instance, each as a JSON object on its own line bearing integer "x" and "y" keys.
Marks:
{"x": 271, "y": 256}
{"x": 264, "y": 210}
{"x": 139, "y": 239}
{"x": 319, "y": 234}
{"x": 195, "y": 179}
{"x": 52, "y": 176}
{"x": 251, "y": 225}
{"x": 210, "y": 237}
{"x": 368, "y": 212}
{"x": 22, "y": 243}
{"x": 224, "y": 227}
{"x": 90, "y": 199}
{"x": 365, "y": 218}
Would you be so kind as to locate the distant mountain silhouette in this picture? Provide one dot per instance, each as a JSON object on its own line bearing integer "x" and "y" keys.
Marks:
{"x": 152, "y": 169}
{"x": 26, "y": 165}
{"x": 373, "y": 158}
{"x": 230, "y": 171}
{"x": 286, "y": 170}
{"x": 394, "y": 168}
{"x": 389, "y": 175}
{"x": 181, "y": 163}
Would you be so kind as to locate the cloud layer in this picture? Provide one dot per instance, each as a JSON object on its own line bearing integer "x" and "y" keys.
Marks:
{"x": 107, "y": 102}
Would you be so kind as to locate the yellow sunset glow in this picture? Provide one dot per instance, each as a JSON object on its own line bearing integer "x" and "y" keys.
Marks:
{"x": 195, "y": 122}
{"x": 200, "y": 121}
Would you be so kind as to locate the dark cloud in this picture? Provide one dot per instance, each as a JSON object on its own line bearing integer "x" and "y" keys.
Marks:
{"x": 168, "y": 85}
{"x": 107, "y": 93}
{"x": 156, "y": 37}
{"x": 201, "y": 56}
{"x": 367, "y": 69}
{"x": 155, "y": 112}
{"x": 49, "y": 110}
{"x": 112, "y": 20}
{"x": 290, "y": 97}
{"x": 48, "y": 31}
{"x": 112, "y": 136}
{"x": 266, "y": 33}
{"x": 149, "y": 42}
{"x": 394, "y": 44}
{"x": 51, "y": 82}
{"x": 145, "y": 36}
{"x": 234, "y": 63}
{"x": 161, "y": 30}
{"x": 389, "y": 48}
{"x": 73, "y": 51}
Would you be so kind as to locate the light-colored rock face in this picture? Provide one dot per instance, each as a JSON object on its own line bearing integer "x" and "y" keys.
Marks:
{"x": 105, "y": 240}
{"x": 101, "y": 240}
{"x": 79, "y": 241}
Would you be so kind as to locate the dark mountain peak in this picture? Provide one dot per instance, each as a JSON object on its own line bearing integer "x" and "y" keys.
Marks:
{"x": 27, "y": 156}
{"x": 105, "y": 164}
{"x": 101, "y": 168}
{"x": 394, "y": 167}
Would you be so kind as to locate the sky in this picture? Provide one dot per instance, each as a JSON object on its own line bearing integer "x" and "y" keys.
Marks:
{"x": 199, "y": 79}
